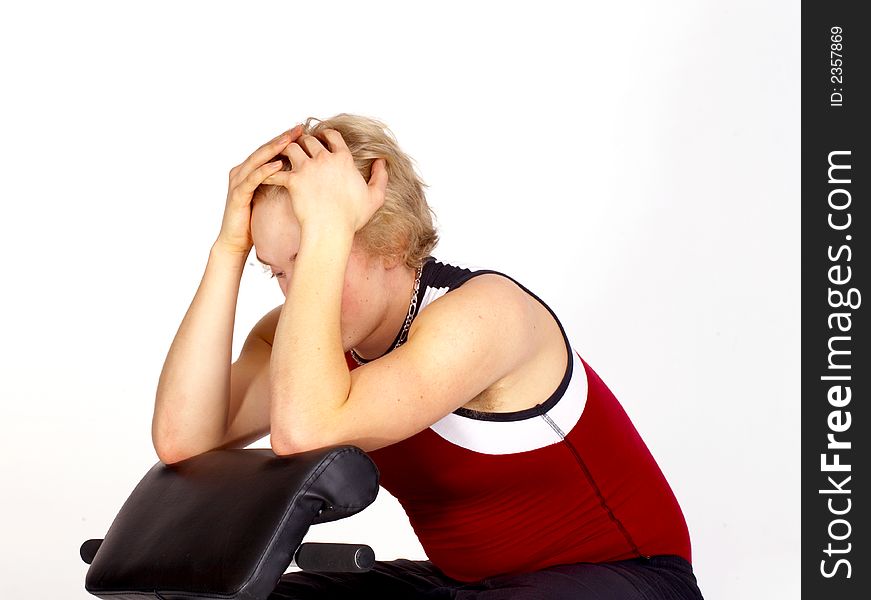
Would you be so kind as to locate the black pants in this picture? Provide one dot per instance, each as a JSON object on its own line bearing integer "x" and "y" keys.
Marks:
{"x": 665, "y": 577}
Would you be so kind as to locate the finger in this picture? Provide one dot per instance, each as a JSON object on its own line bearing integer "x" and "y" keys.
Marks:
{"x": 296, "y": 154}
{"x": 311, "y": 144}
{"x": 245, "y": 190}
{"x": 267, "y": 151}
{"x": 335, "y": 140}
{"x": 281, "y": 178}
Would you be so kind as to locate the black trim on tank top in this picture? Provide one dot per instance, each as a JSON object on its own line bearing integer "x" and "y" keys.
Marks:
{"x": 526, "y": 413}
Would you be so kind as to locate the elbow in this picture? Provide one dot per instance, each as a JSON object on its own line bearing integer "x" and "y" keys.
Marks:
{"x": 161, "y": 448}
{"x": 304, "y": 435}
{"x": 279, "y": 436}
{"x": 281, "y": 439}
{"x": 167, "y": 451}
{"x": 168, "y": 456}
{"x": 284, "y": 444}
{"x": 162, "y": 439}
{"x": 279, "y": 446}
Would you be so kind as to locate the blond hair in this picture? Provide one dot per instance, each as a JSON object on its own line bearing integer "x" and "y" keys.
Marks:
{"x": 403, "y": 227}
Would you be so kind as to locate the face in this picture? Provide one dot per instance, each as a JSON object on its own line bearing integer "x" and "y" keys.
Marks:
{"x": 276, "y": 235}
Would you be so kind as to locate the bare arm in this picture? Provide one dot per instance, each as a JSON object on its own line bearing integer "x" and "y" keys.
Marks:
{"x": 249, "y": 415}
{"x": 200, "y": 395}
{"x": 459, "y": 348}
{"x": 193, "y": 392}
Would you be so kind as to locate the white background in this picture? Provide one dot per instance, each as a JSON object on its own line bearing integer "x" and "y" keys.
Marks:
{"x": 634, "y": 163}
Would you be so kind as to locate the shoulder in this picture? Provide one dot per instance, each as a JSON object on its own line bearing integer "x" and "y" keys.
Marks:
{"x": 491, "y": 290}
{"x": 490, "y": 306}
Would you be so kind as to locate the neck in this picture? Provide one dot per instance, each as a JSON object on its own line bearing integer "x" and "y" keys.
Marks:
{"x": 400, "y": 285}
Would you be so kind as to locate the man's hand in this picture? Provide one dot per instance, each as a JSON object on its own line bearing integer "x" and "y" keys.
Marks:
{"x": 235, "y": 234}
{"x": 325, "y": 187}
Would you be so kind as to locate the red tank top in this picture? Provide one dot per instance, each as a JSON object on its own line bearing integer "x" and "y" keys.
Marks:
{"x": 568, "y": 480}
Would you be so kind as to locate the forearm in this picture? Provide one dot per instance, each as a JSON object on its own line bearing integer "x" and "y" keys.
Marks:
{"x": 193, "y": 392}
{"x": 309, "y": 376}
